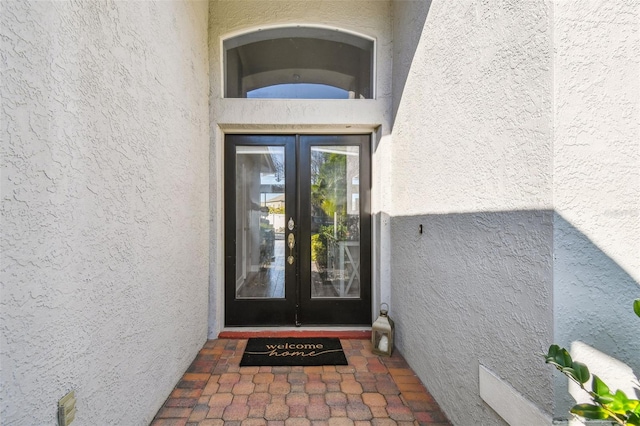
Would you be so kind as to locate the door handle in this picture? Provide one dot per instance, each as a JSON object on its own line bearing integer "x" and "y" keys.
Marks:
{"x": 291, "y": 240}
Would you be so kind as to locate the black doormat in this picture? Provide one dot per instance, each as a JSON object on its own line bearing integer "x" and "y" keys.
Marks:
{"x": 293, "y": 351}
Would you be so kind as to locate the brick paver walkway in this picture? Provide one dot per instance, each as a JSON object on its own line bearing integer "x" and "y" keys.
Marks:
{"x": 371, "y": 390}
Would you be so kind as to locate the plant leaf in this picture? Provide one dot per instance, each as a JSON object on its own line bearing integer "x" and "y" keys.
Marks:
{"x": 589, "y": 411}
{"x": 581, "y": 372}
{"x": 620, "y": 394}
{"x": 604, "y": 399}
{"x": 570, "y": 372}
{"x": 631, "y": 406}
{"x": 599, "y": 387}
{"x": 603, "y": 394}
{"x": 562, "y": 358}
{"x": 551, "y": 355}
{"x": 634, "y": 419}
{"x": 636, "y": 307}
{"x": 620, "y": 403}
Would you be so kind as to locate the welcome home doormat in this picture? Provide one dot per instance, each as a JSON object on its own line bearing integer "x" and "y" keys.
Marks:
{"x": 285, "y": 351}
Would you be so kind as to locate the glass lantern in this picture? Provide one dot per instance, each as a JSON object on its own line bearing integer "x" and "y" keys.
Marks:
{"x": 382, "y": 333}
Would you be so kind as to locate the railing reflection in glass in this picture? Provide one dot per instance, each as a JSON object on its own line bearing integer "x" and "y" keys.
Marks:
{"x": 260, "y": 222}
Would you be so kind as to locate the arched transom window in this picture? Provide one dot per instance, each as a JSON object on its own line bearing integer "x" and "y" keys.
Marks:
{"x": 299, "y": 63}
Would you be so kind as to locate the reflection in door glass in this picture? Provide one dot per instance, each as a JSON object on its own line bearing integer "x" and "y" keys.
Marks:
{"x": 335, "y": 221}
{"x": 260, "y": 222}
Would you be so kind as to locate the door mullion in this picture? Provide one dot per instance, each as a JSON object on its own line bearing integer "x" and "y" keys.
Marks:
{"x": 293, "y": 212}
{"x": 298, "y": 229}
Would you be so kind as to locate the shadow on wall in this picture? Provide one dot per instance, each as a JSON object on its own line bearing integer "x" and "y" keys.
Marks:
{"x": 474, "y": 288}
{"x": 412, "y": 14}
{"x": 484, "y": 288}
{"x": 593, "y": 311}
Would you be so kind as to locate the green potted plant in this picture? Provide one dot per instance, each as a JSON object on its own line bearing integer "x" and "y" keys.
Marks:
{"x": 605, "y": 405}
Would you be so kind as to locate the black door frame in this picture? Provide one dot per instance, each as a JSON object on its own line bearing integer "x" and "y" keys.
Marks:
{"x": 297, "y": 308}
{"x": 335, "y": 311}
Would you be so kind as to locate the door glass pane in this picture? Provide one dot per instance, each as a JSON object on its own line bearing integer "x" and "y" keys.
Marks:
{"x": 260, "y": 201}
{"x": 335, "y": 221}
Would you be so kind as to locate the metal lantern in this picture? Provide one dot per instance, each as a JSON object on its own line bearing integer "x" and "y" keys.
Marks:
{"x": 382, "y": 333}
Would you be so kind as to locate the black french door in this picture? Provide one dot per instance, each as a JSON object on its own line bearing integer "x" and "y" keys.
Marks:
{"x": 297, "y": 230}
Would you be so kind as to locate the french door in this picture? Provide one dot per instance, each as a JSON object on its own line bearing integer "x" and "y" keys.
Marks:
{"x": 297, "y": 230}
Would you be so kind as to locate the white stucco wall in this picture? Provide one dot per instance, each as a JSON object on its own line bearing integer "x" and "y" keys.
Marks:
{"x": 472, "y": 163}
{"x": 366, "y": 18}
{"x": 104, "y": 205}
{"x": 597, "y": 188}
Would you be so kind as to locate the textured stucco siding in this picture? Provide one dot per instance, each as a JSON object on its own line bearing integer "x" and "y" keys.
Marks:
{"x": 367, "y": 18}
{"x": 474, "y": 116}
{"x": 474, "y": 289}
{"x": 597, "y": 187}
{"x": 104, "y": 243}
{"x": 472, "y": 163}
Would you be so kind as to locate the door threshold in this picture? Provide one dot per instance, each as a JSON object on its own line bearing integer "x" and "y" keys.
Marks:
{"x": 349, "y": 333}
